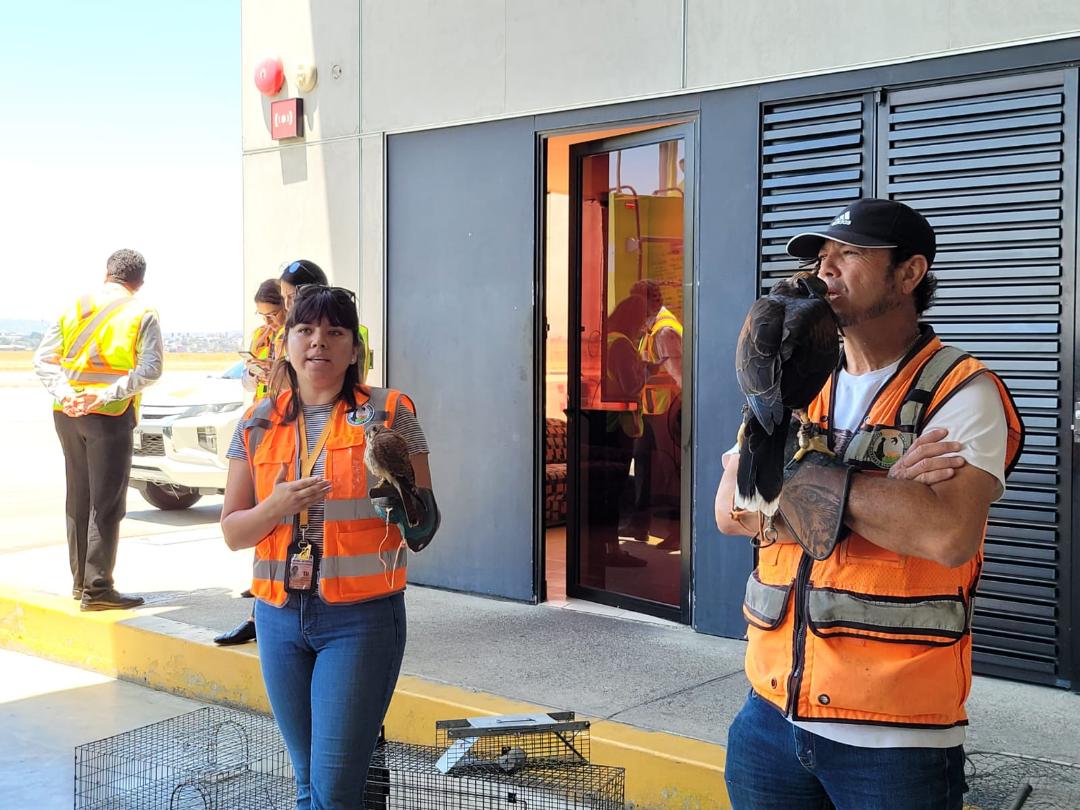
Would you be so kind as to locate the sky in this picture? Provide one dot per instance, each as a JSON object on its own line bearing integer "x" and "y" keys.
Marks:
{"x": 120, "y": 128}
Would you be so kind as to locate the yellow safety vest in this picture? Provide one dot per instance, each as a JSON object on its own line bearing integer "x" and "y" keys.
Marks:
{"x": 660, "y": 388}
{"x": 100, "y": 333}
{"x": 263, "y": 345}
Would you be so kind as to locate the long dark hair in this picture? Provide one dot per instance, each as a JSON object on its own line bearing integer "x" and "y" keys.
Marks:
{"x": 337, "y": 306}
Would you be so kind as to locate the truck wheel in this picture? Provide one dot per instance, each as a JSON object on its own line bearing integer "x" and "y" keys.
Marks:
{"x": 170, "y": 497}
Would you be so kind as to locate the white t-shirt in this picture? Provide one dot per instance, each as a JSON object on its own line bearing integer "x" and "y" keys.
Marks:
{"x": 975, "y": 417}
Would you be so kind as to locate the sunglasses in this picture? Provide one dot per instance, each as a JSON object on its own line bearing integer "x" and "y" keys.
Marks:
{"x": 305, "y": 290}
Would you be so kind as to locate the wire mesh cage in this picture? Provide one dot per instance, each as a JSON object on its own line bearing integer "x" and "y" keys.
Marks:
{"x": 506, "y": 740}
{"x": 999, "y": 781}
{"x": 407, "y": 777}
{"x": 205, "y": 760}
{"x": 224, "y": 759}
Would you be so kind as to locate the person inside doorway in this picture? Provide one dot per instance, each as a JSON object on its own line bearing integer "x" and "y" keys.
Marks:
{"x": 609, "y": 429}
{"x": 660, "y": 349}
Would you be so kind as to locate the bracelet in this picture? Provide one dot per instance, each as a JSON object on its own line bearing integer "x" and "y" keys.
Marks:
{"x": 762, "y": 538}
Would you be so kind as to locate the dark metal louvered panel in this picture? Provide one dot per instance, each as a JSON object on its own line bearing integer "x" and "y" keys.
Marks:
{"x": 814, "y": 162}
{"x": 991, "y": 164}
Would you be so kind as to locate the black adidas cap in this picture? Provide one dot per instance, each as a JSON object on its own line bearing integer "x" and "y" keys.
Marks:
{"x": 871, "y": 223}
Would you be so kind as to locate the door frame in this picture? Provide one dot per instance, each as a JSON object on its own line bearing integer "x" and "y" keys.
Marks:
{"x": 687, "y": 129}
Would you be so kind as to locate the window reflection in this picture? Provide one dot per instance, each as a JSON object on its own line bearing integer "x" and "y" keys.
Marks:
{"x": 631, "y": 263}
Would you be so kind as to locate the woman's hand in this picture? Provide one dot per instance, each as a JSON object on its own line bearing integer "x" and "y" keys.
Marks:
{"x": 290, "y": 497}
{"x": 926, "y": 460}
{"x": 257, "y": 369}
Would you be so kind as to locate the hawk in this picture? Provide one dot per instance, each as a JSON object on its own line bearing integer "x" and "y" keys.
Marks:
{"x": 387, "y": 457}
{"x": 787, "y": 348}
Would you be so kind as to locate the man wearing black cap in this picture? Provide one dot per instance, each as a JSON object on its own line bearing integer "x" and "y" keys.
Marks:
{"x": 859, "y": 619}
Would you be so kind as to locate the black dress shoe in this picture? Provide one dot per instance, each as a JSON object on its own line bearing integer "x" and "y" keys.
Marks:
{"x": 109, "y": 600}
{"x": 247, "y": 594}
{"x": 241, "y": 634}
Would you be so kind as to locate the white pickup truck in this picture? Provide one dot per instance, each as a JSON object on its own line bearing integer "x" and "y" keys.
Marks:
{"x": 185, "y": 426}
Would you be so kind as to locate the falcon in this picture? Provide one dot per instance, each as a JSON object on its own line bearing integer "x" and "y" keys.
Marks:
{"x": 387, "y": 457}
{"x": 787, "y": 348}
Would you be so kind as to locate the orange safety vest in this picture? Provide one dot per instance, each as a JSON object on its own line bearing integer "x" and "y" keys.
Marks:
{"x": 100, "y": 334}
{"x": 660, "y": 388}
{"x": 263, "y": 345}
{"x": 362, "y": 557}
{"x": 868, "y": 635}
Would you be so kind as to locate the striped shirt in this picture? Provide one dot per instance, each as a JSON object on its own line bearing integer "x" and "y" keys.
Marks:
{"x": 315, "y": 419}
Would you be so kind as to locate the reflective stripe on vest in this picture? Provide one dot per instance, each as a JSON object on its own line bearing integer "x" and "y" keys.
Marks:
{"x": 887, "y": 637}
{"x": 99, "y": 338}
{"x": 934, "y": 617}
{"x": 362, "y": 557}
{"x": 764, "y": 604}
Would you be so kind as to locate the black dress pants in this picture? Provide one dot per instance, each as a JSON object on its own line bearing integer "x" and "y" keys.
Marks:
{"x": 97, "y": 461}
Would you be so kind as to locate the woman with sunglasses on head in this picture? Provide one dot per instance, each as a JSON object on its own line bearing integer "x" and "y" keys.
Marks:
{"x": 294, "y": 275}
{"x": 329, "y": 562}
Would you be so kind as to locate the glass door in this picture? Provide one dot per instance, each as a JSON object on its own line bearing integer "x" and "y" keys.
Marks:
{"x": 632, "y": 205}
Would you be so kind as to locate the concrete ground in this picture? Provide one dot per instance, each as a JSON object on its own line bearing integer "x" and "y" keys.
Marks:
{"x": 608, "y": 665}
{"x": 47, "y": 709}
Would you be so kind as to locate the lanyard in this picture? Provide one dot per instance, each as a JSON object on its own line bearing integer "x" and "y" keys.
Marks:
{"x": 308, "y": 459}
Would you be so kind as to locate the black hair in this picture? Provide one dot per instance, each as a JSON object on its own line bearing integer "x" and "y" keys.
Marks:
{"x": 334, "y": 305}
{"x": 303, "y": 271}
{"x": 126, "y": 267}
{"x": 924, "y": 293}
{"x": 269, "y": 292}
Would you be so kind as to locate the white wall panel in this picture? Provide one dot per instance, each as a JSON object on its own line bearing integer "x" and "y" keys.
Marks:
{"x": 733, "y": 41}
{"x": 566, "y": 52}
{"x": 325, "y": 33}
{"x": 429, "y": 62}
{"x": 302, "y": 202}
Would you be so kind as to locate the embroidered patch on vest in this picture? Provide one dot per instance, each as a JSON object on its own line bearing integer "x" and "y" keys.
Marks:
{"x": 887, "y": 446}
{"x": 360, "y": 416}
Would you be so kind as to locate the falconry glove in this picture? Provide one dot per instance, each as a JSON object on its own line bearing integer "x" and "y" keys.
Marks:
{"x": 387, "y": 504}
{"x": 814, "y": 497}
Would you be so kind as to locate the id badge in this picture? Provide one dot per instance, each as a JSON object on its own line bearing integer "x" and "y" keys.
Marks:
{"x": 300, "y": 570}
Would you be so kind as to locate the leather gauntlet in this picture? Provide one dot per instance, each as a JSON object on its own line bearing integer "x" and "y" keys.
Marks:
{"x": 814, "y": 497}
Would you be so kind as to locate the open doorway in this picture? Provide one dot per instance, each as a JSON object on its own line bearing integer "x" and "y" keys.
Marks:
{"x": 613, "y": 499}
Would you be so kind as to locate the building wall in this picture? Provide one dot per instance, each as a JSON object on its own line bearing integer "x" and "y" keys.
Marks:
{"x": 413, "y": 64}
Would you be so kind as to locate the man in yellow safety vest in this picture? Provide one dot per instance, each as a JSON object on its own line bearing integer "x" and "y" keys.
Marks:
{"x": 95, "y": 360}
{"x": 661, "y": 349}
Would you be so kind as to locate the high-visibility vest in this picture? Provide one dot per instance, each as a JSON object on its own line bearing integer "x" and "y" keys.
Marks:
{"x": 262, "y": 347}
{"x": 869, "y": 635}
{"x": 660, "y": 387}
{"x": 362, "y": 557}
{"x": 100, "y": 335}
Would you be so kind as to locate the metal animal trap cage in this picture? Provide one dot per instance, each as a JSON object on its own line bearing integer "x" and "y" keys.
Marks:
{"x": 535, "y": 739}
{"x": 999, "y": 781}
{"x": 210, "y": 759}
{"x": 409, "y": 777}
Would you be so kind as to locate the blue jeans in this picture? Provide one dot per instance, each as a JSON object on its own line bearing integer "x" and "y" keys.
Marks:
{"x": 330, "y": 671}
{"x": 772, "y": 765}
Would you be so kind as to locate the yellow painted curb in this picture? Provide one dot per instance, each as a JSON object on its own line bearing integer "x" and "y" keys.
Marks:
{"x": 662, "y": 770}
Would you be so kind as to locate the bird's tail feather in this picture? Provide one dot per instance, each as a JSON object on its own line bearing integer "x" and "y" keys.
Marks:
{"x": 761, "y": 466}
{"x": 410, "y": 499}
